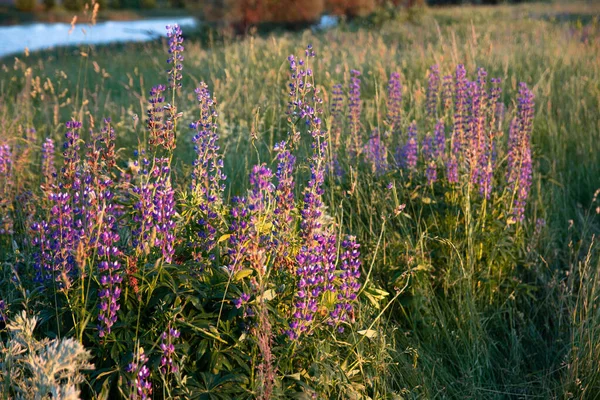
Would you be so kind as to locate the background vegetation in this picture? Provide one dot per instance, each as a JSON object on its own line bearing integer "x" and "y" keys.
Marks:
{"x": 455, "y": 307}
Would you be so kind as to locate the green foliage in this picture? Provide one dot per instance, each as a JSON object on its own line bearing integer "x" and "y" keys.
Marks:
{"x": 49, "y": 4}
{"x": 148, "y": 4}
{"x": 25, "y": 5}
{"x": 177, "y": 3}
{"x": 457, "y": 303}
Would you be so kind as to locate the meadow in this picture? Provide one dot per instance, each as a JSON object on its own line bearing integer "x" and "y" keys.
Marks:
{"x": 390, "y": 209}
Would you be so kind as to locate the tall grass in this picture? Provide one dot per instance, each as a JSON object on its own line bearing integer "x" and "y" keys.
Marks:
{"x": 457, "y": 301}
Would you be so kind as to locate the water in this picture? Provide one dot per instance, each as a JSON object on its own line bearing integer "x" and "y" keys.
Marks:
{"x": 14, "y": 39}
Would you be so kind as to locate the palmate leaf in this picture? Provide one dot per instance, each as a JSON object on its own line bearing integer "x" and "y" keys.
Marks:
{"x": 216, "y": 386}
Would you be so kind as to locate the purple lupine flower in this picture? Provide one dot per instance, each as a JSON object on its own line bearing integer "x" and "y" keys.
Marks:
{"x": 460, "y": 111}
{"x": 207, "y": 176}
{"x": 239, "y": 228}
{"x": 242, "y": 300}
{"x": 175, "y": 55}
{"x": 479, "y": 148}
{"x": 428, "y": 147}
{"x": 163, "y": 210}
{"x": 349, "y": 284}
{"x": 142, "y": 218}
{"x": 284, "y": 203}
{"x": 429, "y": 151}
{"x": 431, "y": 172}
{"x": 447, "y": 92}
{"x": 48, "y": 168}
{"x": 141, "y": 384}
{"x": 296, "y": 85}
{"x": 452, "y": 170}
{"x": 6, "y": 195}
{"x": 394, "y": 102}
{"x": 167, "y": 364}
{"x": 154, "y": 209}
{"x": 304, "y": 102}
{"x": 100, "y": 213}
{"x": 354, "y": 113}
{"x": 109, "y": 269}
{"x": 313, "y": 203}
{"x": 42, "y": 254}
{"x": 409, "y": 153}
{"x": 313, "y": 268}
{"x": 439, "y": 140}
{"x": 375, "y": 153}
{"x": 519, "y": 158}
{"x": 316, "y": 275}
{"x": 155, "y": 122}
{"x": 261, "y": 187}
{"x": 487, "y": 134}
{"x": 161, "y": 120}
{"x": 433, "y": 89}
{"x": 309, "y": 287}
{"x": 56, "y": 241}
{"x": 260, "y": 199}
{"x": 486, "y": 174}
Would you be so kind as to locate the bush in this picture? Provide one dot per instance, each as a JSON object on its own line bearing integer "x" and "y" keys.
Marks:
{"x": 243, "y": 14}
{"x": 289, "y": 11}
{"x": 32, "y": 368}
{"x": 351, "y": 8}
{"x": 25, "y": 5}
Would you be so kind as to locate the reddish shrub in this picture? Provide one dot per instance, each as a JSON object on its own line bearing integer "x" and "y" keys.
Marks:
{"x": 242, "y": 14}
{"x": 351, "y": 8}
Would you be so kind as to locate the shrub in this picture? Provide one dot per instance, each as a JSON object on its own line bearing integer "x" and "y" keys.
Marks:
{"x": 36, "y": 369}
{"x": 351, "y": 8}
{"x": 243, "y": 14}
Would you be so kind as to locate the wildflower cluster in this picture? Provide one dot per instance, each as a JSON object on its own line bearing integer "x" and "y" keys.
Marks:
{"x": 394, "y": 102}
{"x": 468, "y": 154}
{"x": 519, "y": 168}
